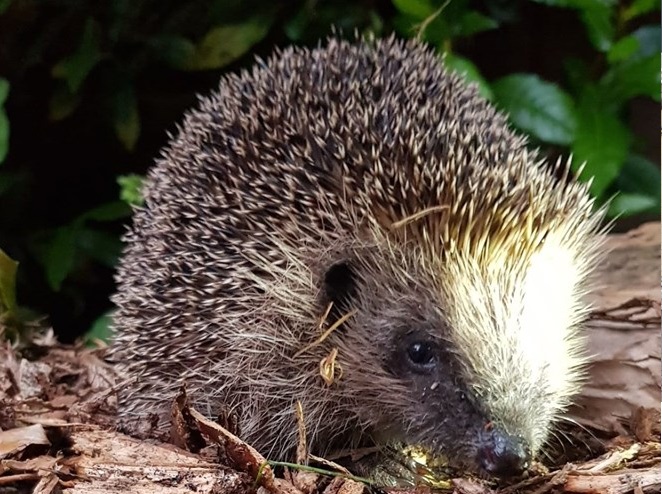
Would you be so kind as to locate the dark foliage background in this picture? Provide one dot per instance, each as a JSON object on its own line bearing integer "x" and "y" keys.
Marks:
{"x": 89, "y": 90}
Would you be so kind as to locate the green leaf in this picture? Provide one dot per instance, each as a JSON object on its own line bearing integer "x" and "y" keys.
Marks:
{"x": 62, "y": 103}
{"x": 418, "y": 9}
{"x": 375, "y": 26}
{"x": 4, "y": 5}
{"x": 4, "y": 90}
{"x": 4, "y": 135}
{"x": 640, "y": 175}
{"x": 99, "y": 245}
{"x": 4, "y": 120}
{"x": 577, "y": 74}
{"x": 474, "y": 22}
{"x": 599, "y": 25}
{"x": 628, "y": 204}
{"x": 602, "y": 142}
{"x": 126, "y": 119}
{"x": 225, "y": 44}
{"x": 538, "y": 107}
{"x": 101, "y": 329}
{"x": 110, "y": 211}
{"x": 624, "y": 48}
{"x": 578, "y": 4}
{"x": 597, "y": 16}
{"x": 295, "y": 27}
{"x": 131, "y": 189}
{"x": 640, "y": 7}
{"x": 469, "y": 72}
{"x": 60, "y": 256}
{"x": 634, "y": 77}
{"x": 75, "y": 68}
{"x": 60, "y": 251}
{"x": 8, "y": 269}
{"x": 649, "y": 40}
{"x": 175, "y": 51}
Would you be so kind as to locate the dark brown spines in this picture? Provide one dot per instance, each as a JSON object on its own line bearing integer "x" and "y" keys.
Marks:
{"x": 372, "y": 155}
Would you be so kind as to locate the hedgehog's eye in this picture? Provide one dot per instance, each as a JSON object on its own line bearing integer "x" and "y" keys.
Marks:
{"x": 422, "y": 355}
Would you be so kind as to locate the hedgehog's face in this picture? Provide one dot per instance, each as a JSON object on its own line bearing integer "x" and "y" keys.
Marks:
{"x": 445, "y": 415}
{"x": 410, "y": 383}
{"x": 458, "y": 391}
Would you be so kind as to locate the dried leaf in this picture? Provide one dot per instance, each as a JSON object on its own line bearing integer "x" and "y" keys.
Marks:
{"x": 14, "y": 440}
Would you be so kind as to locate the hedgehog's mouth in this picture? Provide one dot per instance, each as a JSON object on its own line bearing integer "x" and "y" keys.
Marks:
{"x": 497, "y": 454}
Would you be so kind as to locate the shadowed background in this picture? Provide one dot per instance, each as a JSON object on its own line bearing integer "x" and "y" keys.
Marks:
{"x": 89, "y": 90}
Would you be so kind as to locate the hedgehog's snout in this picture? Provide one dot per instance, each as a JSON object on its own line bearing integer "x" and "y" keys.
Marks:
{"x": 503, "y": 455}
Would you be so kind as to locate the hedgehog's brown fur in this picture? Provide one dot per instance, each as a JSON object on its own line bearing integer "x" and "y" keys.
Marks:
{"x": 363, "y": 175}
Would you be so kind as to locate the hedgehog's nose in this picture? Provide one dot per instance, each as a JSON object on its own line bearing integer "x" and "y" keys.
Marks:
{"x": 503, "y": 455}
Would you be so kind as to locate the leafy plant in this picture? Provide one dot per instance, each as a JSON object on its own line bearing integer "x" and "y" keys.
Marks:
{"x": 8, "y": 305}
{"x": 587, "y": 117}
{"x": 100, "y": 49}
{"x": 15, "y": 321}
{"x": 131, "y": 189}
{"x": 60, "y": 249}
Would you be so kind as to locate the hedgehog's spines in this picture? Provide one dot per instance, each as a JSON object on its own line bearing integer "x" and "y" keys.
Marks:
{"x": 373, "y": 155}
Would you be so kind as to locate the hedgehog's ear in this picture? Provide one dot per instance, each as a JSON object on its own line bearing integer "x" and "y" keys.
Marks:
{"x": 339, "y": 287}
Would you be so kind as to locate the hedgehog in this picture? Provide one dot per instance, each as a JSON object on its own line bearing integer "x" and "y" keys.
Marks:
{"x": 354, "y": 229}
